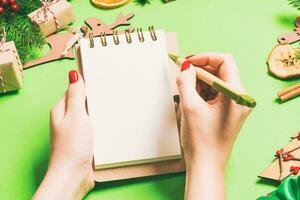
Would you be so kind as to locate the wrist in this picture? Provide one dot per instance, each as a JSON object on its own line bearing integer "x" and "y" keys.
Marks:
{"x": 203, "y": 178}
{"x": 74, "y": 179}
{"x": 207, "y": 164}
{"x": 64, "y": 180}
{"x": 211, "y": 158}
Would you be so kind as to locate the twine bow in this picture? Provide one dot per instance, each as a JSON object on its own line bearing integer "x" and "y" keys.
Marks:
{"x": 42, "y": 15}
{"x": 2, "y": 41}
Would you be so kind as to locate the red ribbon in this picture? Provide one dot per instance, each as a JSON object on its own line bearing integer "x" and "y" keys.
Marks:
{"x": 279, "y": 152}
{"x": 288, "y": 157}
{"x": 42, "y": 15}
{"x": 294, "y": 170}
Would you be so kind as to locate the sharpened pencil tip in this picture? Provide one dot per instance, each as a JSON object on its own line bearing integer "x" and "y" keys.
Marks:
{"x": 174, "y": 57}
{"x": 248, "y": 101}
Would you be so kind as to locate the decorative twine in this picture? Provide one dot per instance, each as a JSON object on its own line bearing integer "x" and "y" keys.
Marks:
{"x": 2, "y": 82}
{"x": 2, "y": 41}
{"x": 42, "y": 15}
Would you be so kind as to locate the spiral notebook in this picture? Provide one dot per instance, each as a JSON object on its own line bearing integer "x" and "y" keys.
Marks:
{"x": 129, "y": 99}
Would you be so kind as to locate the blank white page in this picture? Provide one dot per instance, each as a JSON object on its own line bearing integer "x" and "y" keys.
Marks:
{"x": 130, "y": 101}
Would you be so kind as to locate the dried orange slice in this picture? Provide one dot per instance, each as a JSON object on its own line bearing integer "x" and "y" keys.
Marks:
{"x": 284, "y": 61}
{"x": 109, "y": 3}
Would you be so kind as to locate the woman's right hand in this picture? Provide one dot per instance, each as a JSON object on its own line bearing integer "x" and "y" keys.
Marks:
{"x": 209, "y": 126}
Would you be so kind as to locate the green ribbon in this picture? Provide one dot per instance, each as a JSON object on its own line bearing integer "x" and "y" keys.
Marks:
{"x": 289, "y": 189}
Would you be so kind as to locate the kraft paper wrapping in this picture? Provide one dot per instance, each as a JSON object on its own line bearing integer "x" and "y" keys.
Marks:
{"x": 63, "y": 12}
{"x": 10, "y": 69}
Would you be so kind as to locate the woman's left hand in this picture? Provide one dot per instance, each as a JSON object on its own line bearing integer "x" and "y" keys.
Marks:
{"x": 70, "y": 173}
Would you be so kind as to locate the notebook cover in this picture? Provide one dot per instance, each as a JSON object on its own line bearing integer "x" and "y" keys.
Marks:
{"x": 163, "y": 167}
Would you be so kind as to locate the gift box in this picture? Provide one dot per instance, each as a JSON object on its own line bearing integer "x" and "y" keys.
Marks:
{"x": 52, "y": 16}
{"x": 11, "y": 69}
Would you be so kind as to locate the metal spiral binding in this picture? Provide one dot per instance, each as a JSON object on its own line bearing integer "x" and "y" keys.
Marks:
{"x": 140, "y": 34}
{"x": 152, "y": 33}
{"x": 91, "y": 40}
{"x": 116, "y": 37}
{"x": 128, "y": 36}
{"x": 103, "y": 39}
{"x": 127, "y": 32}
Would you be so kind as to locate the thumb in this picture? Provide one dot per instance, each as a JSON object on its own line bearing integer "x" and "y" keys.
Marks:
{"x": 76, "y": 95}
{"x": 186, "y": 83}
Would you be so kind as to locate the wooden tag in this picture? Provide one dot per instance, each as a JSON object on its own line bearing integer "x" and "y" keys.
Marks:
{"x": 291, "y": 37}
{"x": 59, "y": 41}
{"x": 99, "y": 26}
{"x": 273, "y": 171}
{"x": 57, "y": 44}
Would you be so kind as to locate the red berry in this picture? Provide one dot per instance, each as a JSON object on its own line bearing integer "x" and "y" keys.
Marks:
{"x": 4, "y": 2}
{"x": 279, "y": 152}
{"x": 294, "y": 170}
{"x": 1, "y": 10}
{"x": 12, "y": 2}
{"x": 14, "y": 7}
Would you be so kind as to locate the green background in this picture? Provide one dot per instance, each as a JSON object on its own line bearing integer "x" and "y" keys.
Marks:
{"x": 247, "y": 29}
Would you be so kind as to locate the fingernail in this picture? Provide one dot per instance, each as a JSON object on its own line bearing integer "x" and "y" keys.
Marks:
{"x": 189, "y": 56}
{"x": 185, "y": 65}
{"x": 73, "y": 76}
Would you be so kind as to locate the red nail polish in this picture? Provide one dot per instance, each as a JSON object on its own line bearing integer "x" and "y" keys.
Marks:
{"x": 185, "y": 65}
{"x": 73, "y": 76}
{"x": 189, "y": 56}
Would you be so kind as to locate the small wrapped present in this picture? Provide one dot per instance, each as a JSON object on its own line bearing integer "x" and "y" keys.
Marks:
{"x": 52, "y": 16}
{"x": 11, "y": 69}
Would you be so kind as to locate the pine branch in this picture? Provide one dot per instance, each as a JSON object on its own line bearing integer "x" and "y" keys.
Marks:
{"x": 295, "y": 3}
{"x": 26, "y": 35}
{"x": 142, "y": 2}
